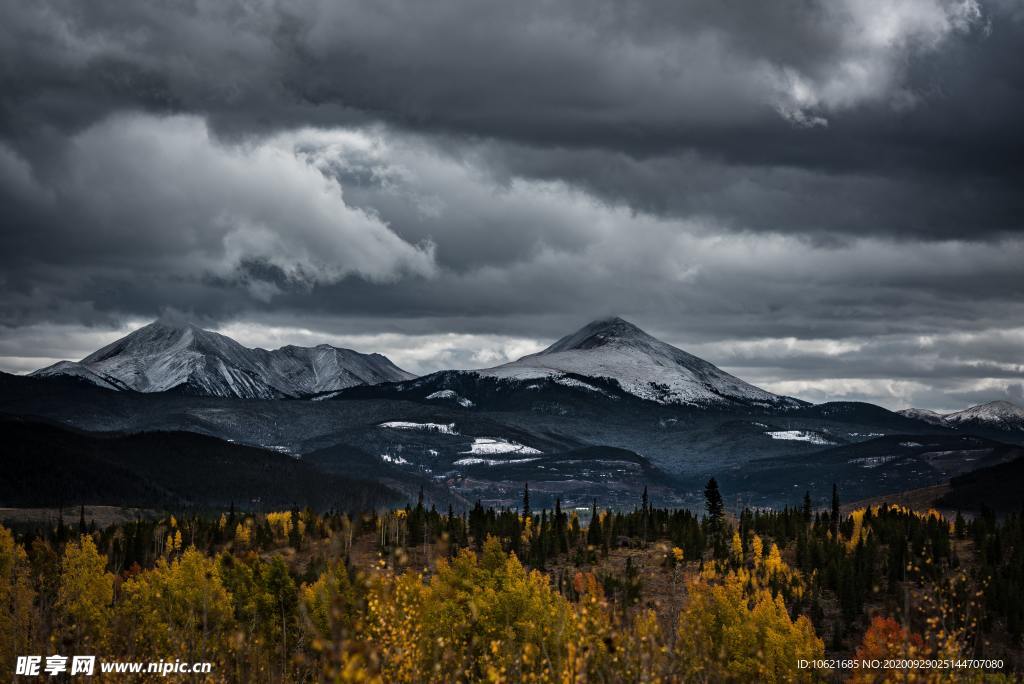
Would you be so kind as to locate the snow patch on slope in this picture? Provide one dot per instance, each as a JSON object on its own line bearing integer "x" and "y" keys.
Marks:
{"x": 445, "y": 429}
{"x": 487, "y": 445}
{"x": 492, "y": 461}
{"x": 451, "y": 395}
{"x": 799, "y": 436}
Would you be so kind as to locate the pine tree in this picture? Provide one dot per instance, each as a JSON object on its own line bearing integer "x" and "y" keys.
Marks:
{"x": 807, "y": 507}
{"x": 560, "y": 527}
{"x": 645, "y": 513}
{"x": 294, "y": 533}
{"x": 834, "y": 520}
{"x": 526, "y": 501}
{"x": 594, "y": 534}
{"x": 716, "y": 517}
{"x": 478, "y": 524}
{"x": 713, "y": 501}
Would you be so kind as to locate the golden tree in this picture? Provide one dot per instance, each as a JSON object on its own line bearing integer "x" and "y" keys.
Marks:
{"x": 17, "y": 614}
{"x": 84, "y": 598}
{"x": 733, "y": 628}
{"x": 179, "y": 608}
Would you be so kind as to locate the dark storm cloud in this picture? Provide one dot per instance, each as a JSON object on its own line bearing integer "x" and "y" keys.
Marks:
{"x": 639, "y": 77}
{"x": 923, "y": 92}
{"x": 724, "y": 172}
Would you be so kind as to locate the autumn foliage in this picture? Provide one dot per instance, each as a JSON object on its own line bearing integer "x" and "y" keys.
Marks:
{"x": 494, "y": 596}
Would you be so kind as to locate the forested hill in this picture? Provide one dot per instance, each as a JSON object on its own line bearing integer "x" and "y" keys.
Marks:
{"x": 996, "y": 488}
{"x": 49, "y": 465}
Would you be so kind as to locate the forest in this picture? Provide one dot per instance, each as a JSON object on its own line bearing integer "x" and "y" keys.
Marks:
{"x": 875, "y": 594}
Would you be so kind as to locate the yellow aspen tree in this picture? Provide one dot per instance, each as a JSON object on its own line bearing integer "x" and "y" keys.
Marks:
{"x": 17, "y": 597}
{"x": 736, "y": 551}
{"x": 757, "y": 546}
{"x": 180, "y": 608}
{"x": 84, "y": 597}
{"x": 724, "y": 635}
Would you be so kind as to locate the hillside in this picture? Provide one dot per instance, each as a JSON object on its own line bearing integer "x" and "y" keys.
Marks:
{"x": 49, "y": 465}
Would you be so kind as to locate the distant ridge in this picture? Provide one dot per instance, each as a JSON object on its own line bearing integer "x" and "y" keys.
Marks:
{"x": 998, "y": 415}
{"x": 162, "y": 357}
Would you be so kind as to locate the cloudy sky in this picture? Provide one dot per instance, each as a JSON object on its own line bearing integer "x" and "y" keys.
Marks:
{"x": 822, "y": 196}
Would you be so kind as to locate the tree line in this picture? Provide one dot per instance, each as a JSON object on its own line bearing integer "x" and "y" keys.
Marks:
{"x": 516, "y": 594}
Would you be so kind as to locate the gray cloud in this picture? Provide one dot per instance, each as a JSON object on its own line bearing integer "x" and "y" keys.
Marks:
{"x": 754, "y": 183}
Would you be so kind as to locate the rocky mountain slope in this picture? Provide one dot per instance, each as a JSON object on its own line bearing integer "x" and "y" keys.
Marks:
{"x": 163, "y": 357}
{"x": 994, "y": 415}
{"x": 642, "y": 365}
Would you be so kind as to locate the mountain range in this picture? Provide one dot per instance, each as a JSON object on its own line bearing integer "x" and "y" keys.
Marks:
{"x": 161, "y": 357}
{"x": 602, "y": 412}
{"x": 997, "y": 415}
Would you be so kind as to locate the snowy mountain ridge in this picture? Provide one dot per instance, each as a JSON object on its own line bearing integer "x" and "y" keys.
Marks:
{"x": 1004, "y": 415}
{"x": 641, "y": 364}
{"x": 926, "y": 415}
{"x": 160, "y": 357}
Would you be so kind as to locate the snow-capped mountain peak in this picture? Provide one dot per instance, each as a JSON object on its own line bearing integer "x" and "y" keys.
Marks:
{"x": 601, "y": 333}
{"x": 1002, "y": 415}
{"x": 163, "y": 356}
{"x": 641, "y": 364}
{"x": 994, "y": 412}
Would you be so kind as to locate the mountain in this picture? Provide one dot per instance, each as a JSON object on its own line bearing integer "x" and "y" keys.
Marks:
{"x": 887, "y": 464}
{"x": 924, "y": 415}
{"x": 996, "y": 488}
{"x": 1002, "y": 415}
{"x": 640, "y": 364}
{"x": 995, "y": 415}
{"x": 47, "y": 465}
{"x": 162, "y": 357}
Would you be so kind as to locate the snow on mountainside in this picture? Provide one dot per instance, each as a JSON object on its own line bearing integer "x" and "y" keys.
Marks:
{"x": 325, "y": 368}
{"x": 923, "y": 414}
{"x": 161, "y": 357}
{"x": 70, "y": 368}
{"x": 1003, "y": 415}
{"x": 641, "y": 364}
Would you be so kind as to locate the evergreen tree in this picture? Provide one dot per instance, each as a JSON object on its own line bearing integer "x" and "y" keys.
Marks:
{"x": 594, "y": 533}
{"x": 713, "y": 501}
{"x": 645, "y": 513}
{"x": 478, "y": 524}
{"x": 807, "y": 508}
{"x": 526, "y": 501}
{"x": 294, "y": 533}
{"x": 716, "y": 517}
{"x": 834, "y": 520}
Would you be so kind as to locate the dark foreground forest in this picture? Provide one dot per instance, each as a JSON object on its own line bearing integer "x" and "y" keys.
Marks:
{"x": 413, "y": 595}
